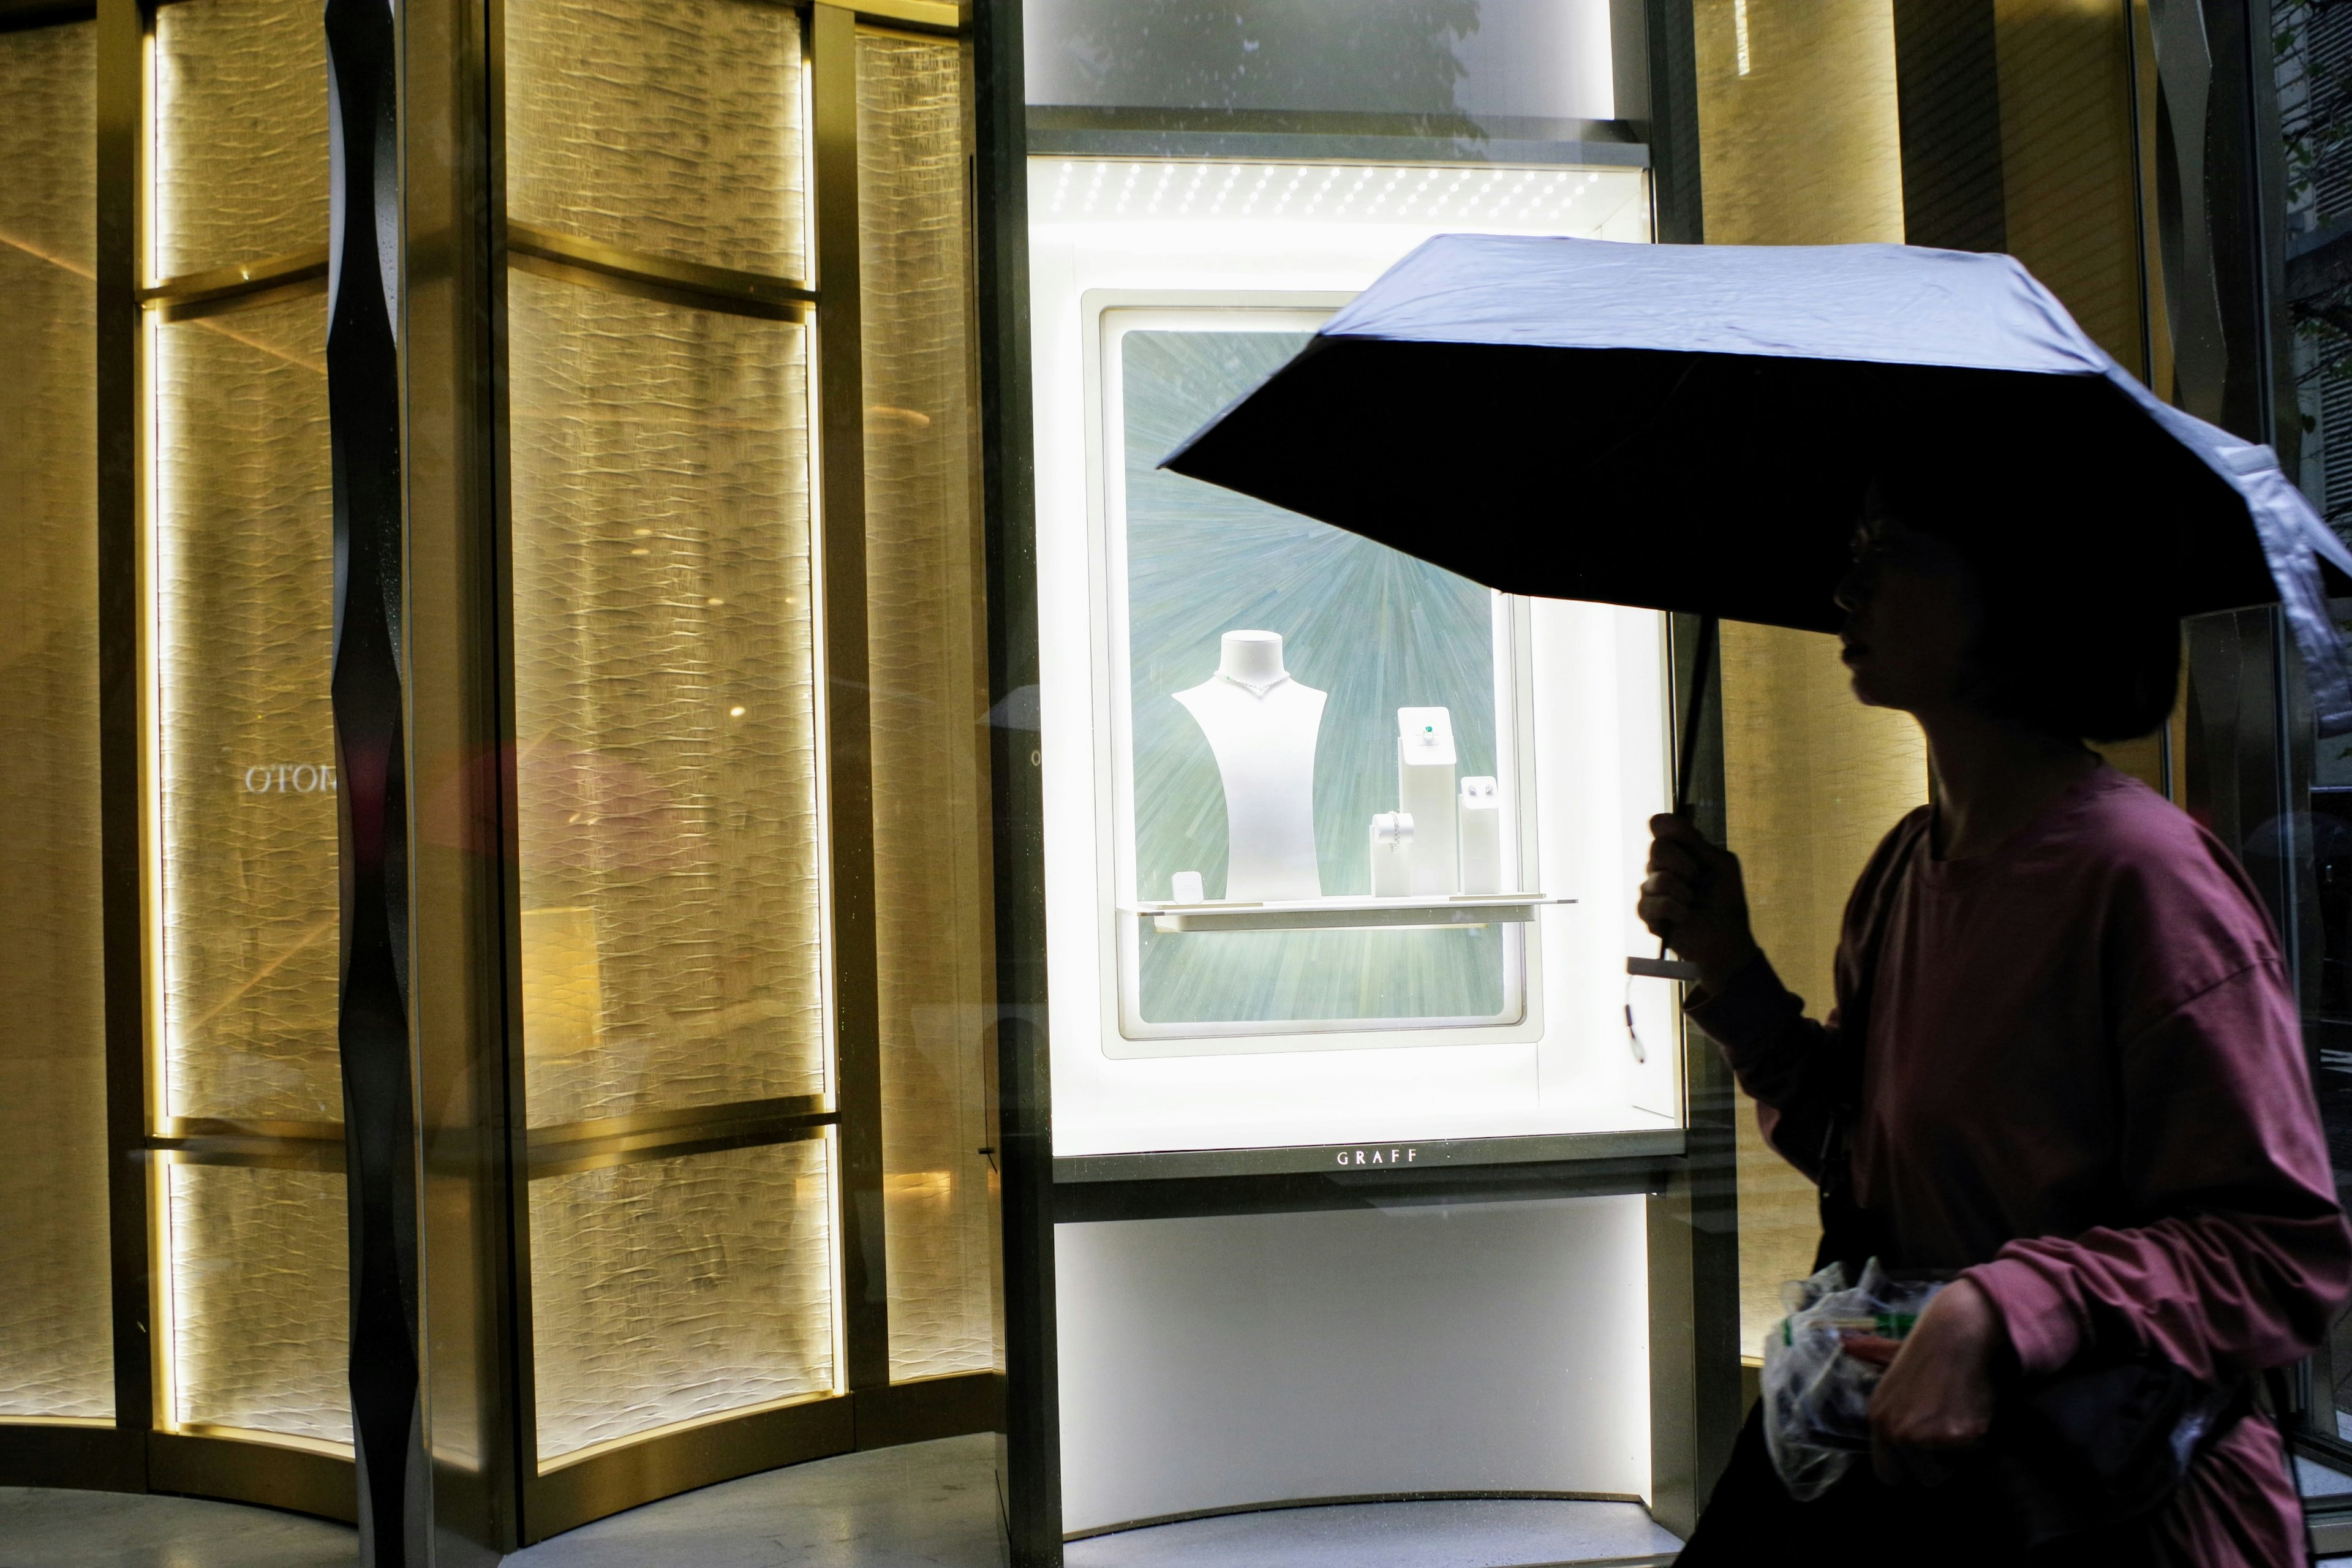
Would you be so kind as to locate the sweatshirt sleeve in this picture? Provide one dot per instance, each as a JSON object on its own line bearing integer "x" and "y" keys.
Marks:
{"x": 1788, "y": 1063}
{"x": 2242, "y": 1258}
{"x": 1779, "y": 1057}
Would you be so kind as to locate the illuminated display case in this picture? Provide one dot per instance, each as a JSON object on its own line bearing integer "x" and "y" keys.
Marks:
{"x": 1339, "y": 843}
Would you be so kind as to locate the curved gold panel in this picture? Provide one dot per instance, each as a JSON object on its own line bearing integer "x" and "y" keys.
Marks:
{"x": 56, "y": 1360}
{"x": 243, "y": 640}
{"x": 240, "y": 158}
{"x": 678, "y": 1291}
{"x": 666, "y": 736}
{"x": 932, "y": 910}
{"x": 260, "y": 1300}
{"x": 674, "y": 128}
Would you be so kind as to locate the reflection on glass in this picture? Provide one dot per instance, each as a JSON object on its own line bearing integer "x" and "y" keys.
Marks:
{"x": 1374, "y": 629}
{"x": 240, "y": 154}
{"x": 673, "y": 129}
{"x": 245, "y": 752}
{"x": 663, "y": 717}
{"x": 932, "y": 910}
{"x": 1812, "y": 781}
{"x": 261, "y": 1300}
{"x": 678, "y": 1291}
{"x": 1546, "y": 59}
{"x": 1803, "y": 147}
{"x": 56, "y": 1351}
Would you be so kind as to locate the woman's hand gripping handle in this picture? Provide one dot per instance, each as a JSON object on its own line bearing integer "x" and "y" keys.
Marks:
{"x": 1694, "y": 900}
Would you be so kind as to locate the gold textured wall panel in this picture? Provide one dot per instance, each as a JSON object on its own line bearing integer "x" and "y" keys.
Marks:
{"x": 932, "y": 910}
{"x": 261, "y": 1300}
{"x": 244, "y": 645}
{"x": 55, "y": 1324}
{"x": 665, "y": 742}
{"x": 240, "y": 154}
{"x": 1813, "y": 780}
{"x": 1804, "y": 148}
{"x": 2066, "y": 134}
{"x": 677, "y": 1290}
{"x": 672, "y": 127}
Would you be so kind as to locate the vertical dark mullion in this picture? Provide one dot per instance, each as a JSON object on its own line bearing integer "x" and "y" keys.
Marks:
{"x": 1670, "y": 51}
{"x": 1031, "y": 1471}
{"x": 121, "y": 173}
{"x": 370, "y": 692}
{"x": 849, "y": 748}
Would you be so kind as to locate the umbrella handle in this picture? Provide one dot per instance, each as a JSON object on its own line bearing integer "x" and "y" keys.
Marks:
{"x": 1685, "y": 764}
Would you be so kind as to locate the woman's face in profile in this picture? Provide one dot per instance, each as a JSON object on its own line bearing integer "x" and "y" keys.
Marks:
{"x": 1911, "y": 616}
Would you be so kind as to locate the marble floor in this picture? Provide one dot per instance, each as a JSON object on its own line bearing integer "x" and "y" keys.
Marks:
{"x": 930, "y": 1505}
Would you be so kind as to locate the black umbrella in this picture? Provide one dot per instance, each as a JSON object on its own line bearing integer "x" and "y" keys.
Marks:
{"x": 1692, "y": 429}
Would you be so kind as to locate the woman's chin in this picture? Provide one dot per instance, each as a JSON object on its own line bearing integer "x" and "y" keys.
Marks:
{"x": 1866, "y": 691}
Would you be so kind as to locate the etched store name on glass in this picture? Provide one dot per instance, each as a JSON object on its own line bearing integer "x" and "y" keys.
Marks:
{"x": 290, "y": 778}
{"x": 1372, "y": 1156}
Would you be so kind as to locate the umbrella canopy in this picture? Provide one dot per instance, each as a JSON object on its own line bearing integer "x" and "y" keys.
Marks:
{"x": 1692, "y": 427}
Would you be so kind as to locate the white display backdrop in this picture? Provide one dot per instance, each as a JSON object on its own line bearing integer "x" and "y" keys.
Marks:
{"x": 1582, "y": 731}
{"x": 1217, "y": 1363}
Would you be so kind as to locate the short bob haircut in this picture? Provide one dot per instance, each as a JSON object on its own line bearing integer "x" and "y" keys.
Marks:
{"x": 2077, "y": 638}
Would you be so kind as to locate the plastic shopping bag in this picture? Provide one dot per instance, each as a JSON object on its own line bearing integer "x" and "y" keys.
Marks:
{"x": 1816, "y": 1391}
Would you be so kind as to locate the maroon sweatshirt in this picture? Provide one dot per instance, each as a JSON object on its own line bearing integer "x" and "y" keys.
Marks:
{"x": 2084, "y": 1084}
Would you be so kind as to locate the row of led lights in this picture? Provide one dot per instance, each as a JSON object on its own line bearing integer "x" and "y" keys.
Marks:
{"x": 1464, "y": 190}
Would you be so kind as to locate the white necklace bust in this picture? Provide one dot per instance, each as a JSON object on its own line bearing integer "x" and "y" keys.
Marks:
{"x": 1263, "y": 725}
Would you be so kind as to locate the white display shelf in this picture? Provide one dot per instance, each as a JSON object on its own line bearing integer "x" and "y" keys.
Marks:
{"x": 1346, "y": 913}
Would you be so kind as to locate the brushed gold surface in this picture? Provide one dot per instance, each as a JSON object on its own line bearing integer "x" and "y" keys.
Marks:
{"x": 56, "y": 1356}
{"x": 665, "y": 749}
{"x": 925, "y": 666}
{"x": 259, "y": 1301}
{"x": 239, "y": 158}
{"x": 244, "y": 575}
{"x": 679, "y": 1289}
{"x": 673, "y": 130}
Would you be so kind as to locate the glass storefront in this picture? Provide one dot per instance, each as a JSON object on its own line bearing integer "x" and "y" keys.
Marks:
{"x": 911, "y": 921}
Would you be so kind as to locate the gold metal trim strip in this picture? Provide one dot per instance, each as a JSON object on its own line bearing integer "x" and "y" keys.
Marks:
{"x": 932, "y": 16}
{"x": 253, "y": 1154}
{"x": 794, "y": 310}
{"x": 724, "y": 287}
{"x": 264, "y": 1467}
{"x": 246, "y": 278}
{"x": 713, "y": 1117}
{"x": 577, "y": 1488}
{"x": 321, "y": 1447}
{"x": 176, "y": 1128}
{"x": 570, "y": 1159}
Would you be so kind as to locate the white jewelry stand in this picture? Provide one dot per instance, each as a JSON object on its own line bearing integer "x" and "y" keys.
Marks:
{"x": 1263, "y": 725}
{"x": 1425, "y": 794}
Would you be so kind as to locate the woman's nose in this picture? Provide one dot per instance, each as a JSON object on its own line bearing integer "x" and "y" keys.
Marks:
{"x": 1851, "y": 589}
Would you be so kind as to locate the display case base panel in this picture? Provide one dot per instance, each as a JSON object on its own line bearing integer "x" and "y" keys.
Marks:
{"x": 1236, "y": 1360}
{"x": 1468, "y": 1533}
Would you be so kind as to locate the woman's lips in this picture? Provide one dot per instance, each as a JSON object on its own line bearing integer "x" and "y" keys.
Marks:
{"x": 1853, "y": 652}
